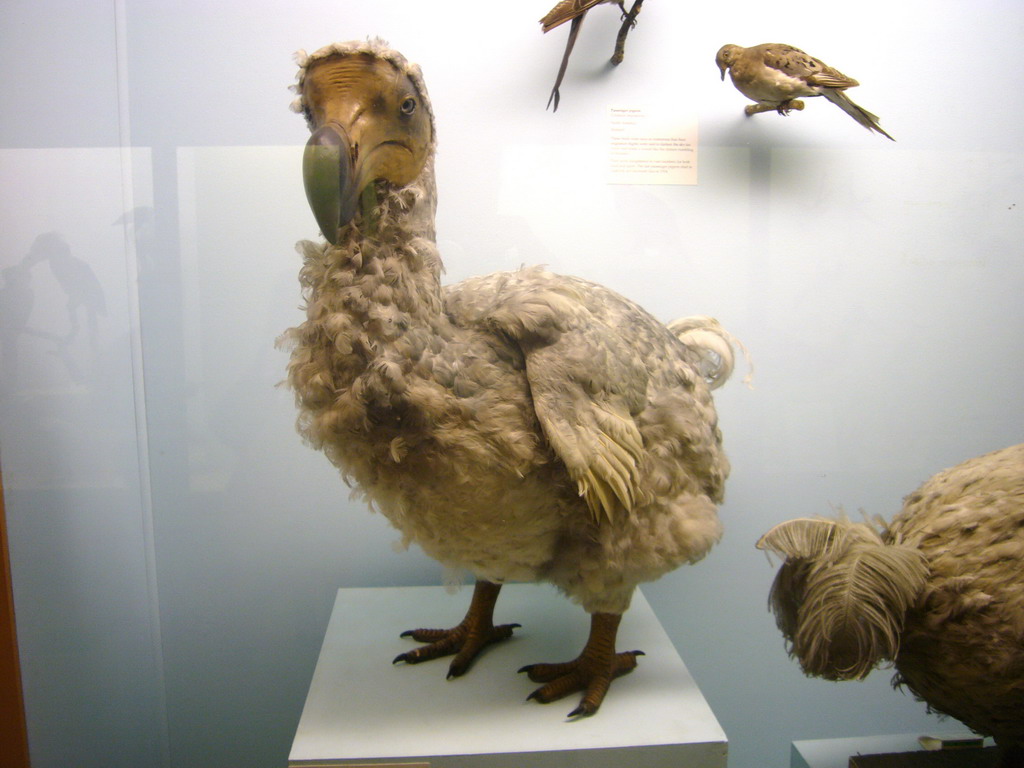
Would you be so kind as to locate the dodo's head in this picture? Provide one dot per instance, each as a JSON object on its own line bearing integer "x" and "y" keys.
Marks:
{"x": 371, "y": 121}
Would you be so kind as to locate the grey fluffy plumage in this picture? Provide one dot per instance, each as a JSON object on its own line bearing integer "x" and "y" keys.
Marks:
{"x": 939, "y": 592}
{"x": 523, "y": 425}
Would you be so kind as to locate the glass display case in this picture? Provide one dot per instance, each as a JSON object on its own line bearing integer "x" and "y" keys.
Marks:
{"x": 176, "y": 549}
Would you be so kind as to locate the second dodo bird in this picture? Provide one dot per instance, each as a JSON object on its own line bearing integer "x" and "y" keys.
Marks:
{"x": 938, "y": 593}
{"x": 522, "y": 426}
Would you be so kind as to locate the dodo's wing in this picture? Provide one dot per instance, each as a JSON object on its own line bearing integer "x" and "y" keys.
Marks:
{"x": 587, "y": 376}
{"x": 587, "y": 385}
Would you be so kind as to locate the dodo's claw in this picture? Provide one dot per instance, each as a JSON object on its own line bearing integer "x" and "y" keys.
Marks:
{"x": 592, "y": 672}
{"x": 465, "y": 641}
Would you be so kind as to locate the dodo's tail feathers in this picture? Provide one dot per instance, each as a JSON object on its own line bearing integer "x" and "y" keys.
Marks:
{"x": 714, "y": 344}
{"x": 841, "y": 594}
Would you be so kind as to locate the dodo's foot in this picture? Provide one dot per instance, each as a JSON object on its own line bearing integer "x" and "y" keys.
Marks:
{"x": 591, "y": 672}
{"x": 467, "y": 640}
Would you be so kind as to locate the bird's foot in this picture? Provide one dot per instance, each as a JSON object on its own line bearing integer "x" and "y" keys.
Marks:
{"x": 465, "y": 641}
{"x": 628, "y": 23}
{"x": 591, "y": 672}
{"x": 581, "y": 674}
{"x": 629, "y": 17}
{"x": 788, "y": 106}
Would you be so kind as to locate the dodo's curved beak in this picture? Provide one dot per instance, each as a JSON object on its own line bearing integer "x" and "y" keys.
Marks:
{"x": 368, "y": 124}
{"x": 329, "y": 178}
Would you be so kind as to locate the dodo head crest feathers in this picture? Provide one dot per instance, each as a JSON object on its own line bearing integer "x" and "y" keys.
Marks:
{"x": 371, "y": 120}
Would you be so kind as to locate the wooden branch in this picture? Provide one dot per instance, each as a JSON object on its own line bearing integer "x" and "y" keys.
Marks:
{"x": 628, "y": 22}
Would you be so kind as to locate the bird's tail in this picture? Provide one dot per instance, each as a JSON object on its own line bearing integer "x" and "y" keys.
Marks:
{"x": 857, "y": 112}
{"x": 841, "y": 594}
{"x": 714, "y": 344}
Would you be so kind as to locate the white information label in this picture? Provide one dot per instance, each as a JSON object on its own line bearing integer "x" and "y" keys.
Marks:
{"x": 645, "y": 147}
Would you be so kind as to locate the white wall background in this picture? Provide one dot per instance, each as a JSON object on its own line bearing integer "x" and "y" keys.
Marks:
{"x": 176, "y": 548}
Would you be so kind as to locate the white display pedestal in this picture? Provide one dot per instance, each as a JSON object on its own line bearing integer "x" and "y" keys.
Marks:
{"x": 362, "y": 710}
{"x": 835, "y": 753}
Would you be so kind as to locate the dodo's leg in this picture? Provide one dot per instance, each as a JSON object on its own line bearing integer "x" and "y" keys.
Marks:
{"x": 471, "y": 636}
{"x": 591, "y": 672}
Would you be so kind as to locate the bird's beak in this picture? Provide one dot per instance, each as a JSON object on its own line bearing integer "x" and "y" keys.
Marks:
{"x": 330, "y": 178}
{"x": 370, "y": 124}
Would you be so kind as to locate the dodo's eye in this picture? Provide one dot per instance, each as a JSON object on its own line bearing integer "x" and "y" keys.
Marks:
{"x": 408, "y": 106}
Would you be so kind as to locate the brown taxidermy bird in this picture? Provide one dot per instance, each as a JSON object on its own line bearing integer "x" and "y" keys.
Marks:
{"x": 776, "y": 75}
{"x": 573, "y": 11}
{"x": 522, "y": 426}
{"x": 939, "y": 592}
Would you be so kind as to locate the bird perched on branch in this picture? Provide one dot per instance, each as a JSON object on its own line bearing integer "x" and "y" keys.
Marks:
{"x": 573, "y": 11}
{"x": 939, "y": 592}
{"x": 776, "y": 76}
{"x": 522, "y": 426}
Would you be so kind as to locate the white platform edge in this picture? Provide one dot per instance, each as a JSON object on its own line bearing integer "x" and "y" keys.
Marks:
{"x": 836, "y": 753}
{"x": 361, "y": 709}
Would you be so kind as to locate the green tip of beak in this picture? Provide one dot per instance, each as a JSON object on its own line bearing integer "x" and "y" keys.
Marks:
{"x": 329, "y": 180}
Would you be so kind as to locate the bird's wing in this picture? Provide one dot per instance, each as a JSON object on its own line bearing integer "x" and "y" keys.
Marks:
{"x": 586, "y": 386}
{"x": 587, "y": 375}
{"x": 795, "y": 63}
{"x": 565, "y": 11}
